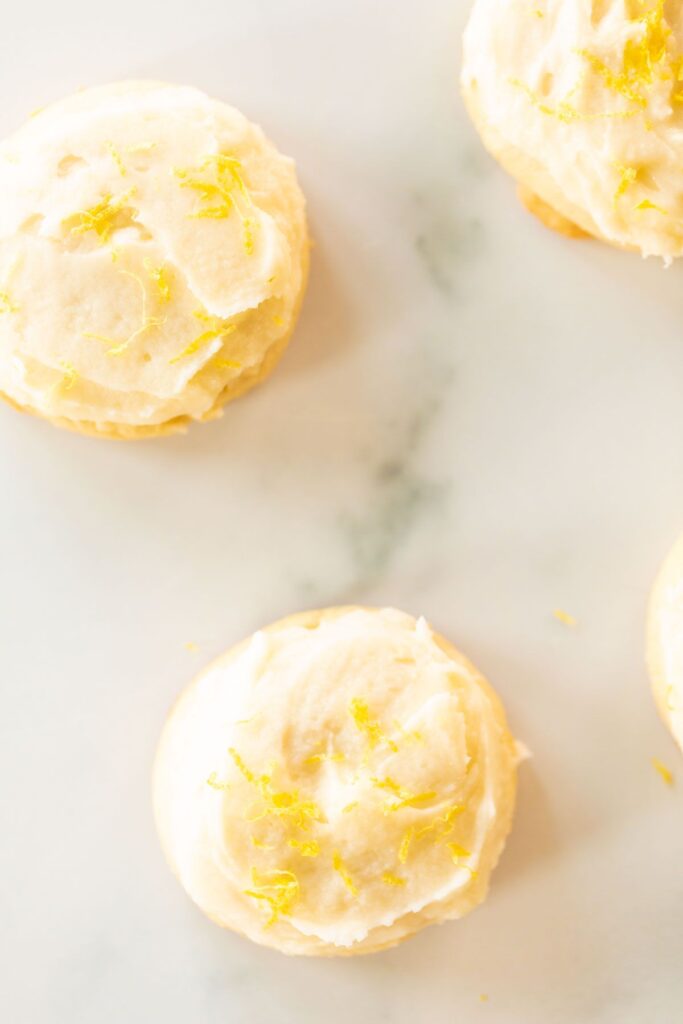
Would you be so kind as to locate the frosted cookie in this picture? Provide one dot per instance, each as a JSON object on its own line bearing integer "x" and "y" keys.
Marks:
{"x": 335, "y": 783}
{"x": 582, "y": 103}
{"x": 153, "y": 259}
{"x": 665, "y": 641}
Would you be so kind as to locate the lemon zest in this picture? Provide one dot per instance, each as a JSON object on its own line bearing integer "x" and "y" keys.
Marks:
{"x": 279, "y": 889}
{"x": 116, "y": 157}
{"x": 457, "y": 851}
{"x": 283, "y": 805}
{"x": 306, "y": 847}
{"x": 666, "y": 774}
{"x": 627, "y": 176}
{"x": 342, "y": 871}
{"x": 216, "y": 328}
{"x": 100, "y": 218}
{"x": 646, "y": 204}
{"x": 117, "y": 347}
{"x": 6, "y": 304}
{"x": 405, "y": 797}
{"x": 69, "y": 377}
{"x": 320, "y": 758}
{"x": 390, "y": 879}
{"x": 441, "y": 826}
{"x": 642, "y": 59}
{"x": 221, "y": 196}
{"x": 141, "y": 147}
{"x": 350, "y": 807}
{"x": 564, "y": 111}
{"x": 215, "y": 784}
{"x": 160, "y": 276}
{"x": 259, "y": 845}
{"x": 370, "y": 727}
{"x": 190, "y": 645}
{"x": 564, "y": 617}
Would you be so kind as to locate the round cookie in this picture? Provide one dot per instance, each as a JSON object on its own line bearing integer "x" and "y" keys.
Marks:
{"x": 153, "y": 259}
{"x": 335, "y": 783}
{"x": 582, "y": 103}
{"x": 665, "y": 641}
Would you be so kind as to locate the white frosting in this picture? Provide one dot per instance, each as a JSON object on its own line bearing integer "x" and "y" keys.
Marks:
{"x": 666, "y": 641}
{"x": 583, "y": 103}
{"x": 88, "y": 330}
{"x": 284, "y": 705}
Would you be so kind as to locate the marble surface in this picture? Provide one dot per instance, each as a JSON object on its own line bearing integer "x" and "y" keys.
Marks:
{"x": 477, "y": 421}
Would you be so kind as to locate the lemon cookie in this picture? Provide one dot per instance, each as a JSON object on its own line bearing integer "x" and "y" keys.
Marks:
{"x": 153, "y": 258}
{"x": 335, "y": 783}
{"x": 582, "y": 103}
{"x": 665, "y": 641}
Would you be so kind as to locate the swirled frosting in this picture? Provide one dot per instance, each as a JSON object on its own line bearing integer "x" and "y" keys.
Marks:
{"x": 336, "y": 783}
{"x": 153, "y": 254}
{"x": 583, "y": 104}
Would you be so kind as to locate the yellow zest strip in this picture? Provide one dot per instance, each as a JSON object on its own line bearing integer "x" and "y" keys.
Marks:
{"x": 117, "y": 348}
{"x": 6, "y": 304}
{"x": 69, "y": 378}
{"x": 286, "y": 806}
{"x": 405, "y": 797}
{"x": 306, "y": 847}
{"x": 666, "y": 774}
{"x": 100, "y": 218}
{"x": 116, "y": 157}
{"x": 190, "y": 645}
{"x": 279, "y": 889}
{"x": 441, "y": 827}
{"x": 221, "y": 196}
{"x": 260, "y": 845}
{"x": 390, "y": 879}
{"x": 350, "y": 807}
{"x": 160, "y": 276}
{"x": 366, "y": 724}
{"x": 565, "y": 618}
{"x": 226, "y": 364}
{"x": 215, "y": 784}
{"x": 647, "y": 205}
{"x": 320, "y": 758}
{"x": 457, "y": 851}
{"x": 340, "y": 868}
{"x": 627, "y": 177}
{"x": 216, "y": 328}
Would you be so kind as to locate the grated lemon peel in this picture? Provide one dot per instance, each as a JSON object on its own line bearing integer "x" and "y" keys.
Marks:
{"x": 565, "y": 618}
{"x": 69, "y": 377}
{"x": 441, "y": 827}
{"x": 148, "y": 322}
{"x": 627, "y": 176}
{"x": 283, "y": 805}
{"x": 215, "y": 784}
{"x": 391, "y": 879}
{"x": 117, "y": 158}
{"x": 369, "y": 726}
{"x": 404, "y": 796}
{"x": 643, "y": 60}
{"x": 343, "y": 872}
{"x": 6, "y": 304}
{"x": 100, "y": 218}
{"x": 215, "y": 328}
{"x": 665, "y": 773}
{"x": 306, "y": 847}
{"x": 227, "y": 192}
{"x": 647, "y": 204}
{"x": 280, "y": 890}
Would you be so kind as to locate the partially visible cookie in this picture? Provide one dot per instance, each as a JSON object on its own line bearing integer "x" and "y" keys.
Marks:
{"x": 153, "y": 259}
{"x": 665, "y": 641}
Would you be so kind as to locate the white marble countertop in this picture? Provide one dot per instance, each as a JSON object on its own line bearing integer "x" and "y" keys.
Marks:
{"x": 477, "y": 421}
